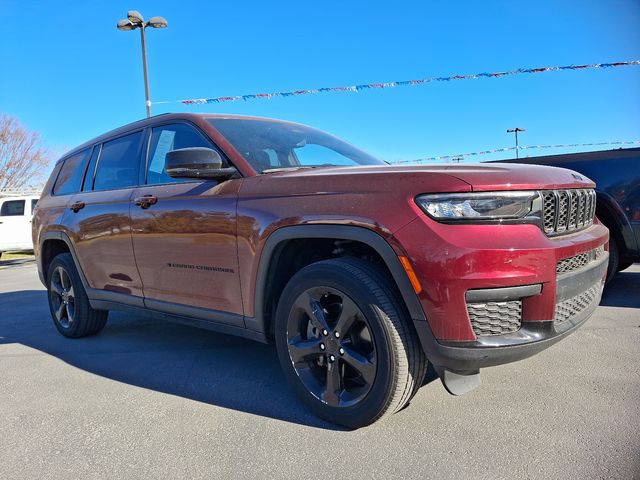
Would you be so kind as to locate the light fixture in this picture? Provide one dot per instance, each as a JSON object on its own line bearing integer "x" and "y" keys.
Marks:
{"x": 126, "y": 25}
{"x": 135, "y": 17}
{"x": 157, "y": 22}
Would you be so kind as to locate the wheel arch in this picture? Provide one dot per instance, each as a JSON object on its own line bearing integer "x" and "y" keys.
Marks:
{"x": 613, "y": 217}
{"x": 53, "y": 243}
{"x": 275, "y": 246}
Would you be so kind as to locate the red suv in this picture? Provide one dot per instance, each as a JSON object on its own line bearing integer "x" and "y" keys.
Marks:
{"x": 360, "y": 272}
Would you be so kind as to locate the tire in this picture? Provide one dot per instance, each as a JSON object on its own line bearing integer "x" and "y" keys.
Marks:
{"x": 614, "y": 260}
{"x": 624, "y": 264}
{"x": 68, "y": 302}
{"x": 369, "y": 370}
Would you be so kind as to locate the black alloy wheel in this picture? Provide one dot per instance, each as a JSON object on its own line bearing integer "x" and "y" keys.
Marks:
{"x": 331, "y": 346}
{"x": 345, "y": 342}
{"x": 62, "y": 297}
{"x": 70, "y": 308}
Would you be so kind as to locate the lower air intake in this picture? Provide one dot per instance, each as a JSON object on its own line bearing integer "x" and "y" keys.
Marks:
{"x": 575, "y": 305}
{"x": 495, "y": 318}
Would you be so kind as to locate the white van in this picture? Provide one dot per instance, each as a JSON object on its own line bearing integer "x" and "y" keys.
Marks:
{"x": 15, "y": 223}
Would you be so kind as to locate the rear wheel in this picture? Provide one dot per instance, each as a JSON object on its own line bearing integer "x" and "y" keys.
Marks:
{"x": 345, "y": 343}
{"x": 70, "y": 309}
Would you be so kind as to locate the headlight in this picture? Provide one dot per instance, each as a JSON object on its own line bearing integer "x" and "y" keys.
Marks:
{"x": 477, "y": 206}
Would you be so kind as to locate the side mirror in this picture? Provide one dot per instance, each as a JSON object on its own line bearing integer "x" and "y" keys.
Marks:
{"x": 196, "y": 162}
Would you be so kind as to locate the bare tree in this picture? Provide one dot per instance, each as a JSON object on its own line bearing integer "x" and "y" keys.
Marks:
{"x": 23, "y": 159}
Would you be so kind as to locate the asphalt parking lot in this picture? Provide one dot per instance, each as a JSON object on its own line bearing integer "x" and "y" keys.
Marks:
{"x": 148, "y": 399}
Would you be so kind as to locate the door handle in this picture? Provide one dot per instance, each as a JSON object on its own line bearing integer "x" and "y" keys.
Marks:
{"x": 146, "y": 201}
{"x": 76, "y": 207}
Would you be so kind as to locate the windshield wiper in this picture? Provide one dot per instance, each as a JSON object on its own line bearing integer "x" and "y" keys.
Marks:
{"x": 298, "y": 167}
{"x": 284, "y": 169}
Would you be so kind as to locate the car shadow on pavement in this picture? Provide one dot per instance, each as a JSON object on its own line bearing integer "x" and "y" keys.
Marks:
{"x": 623, "y": 290}
{"x": 197, "y": 364}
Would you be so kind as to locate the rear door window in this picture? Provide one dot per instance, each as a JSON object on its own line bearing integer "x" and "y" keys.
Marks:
{"x": 166, "y": 138}
{"x": 12, "y": 208}
{"x": 118, "y": 166}
{"x": 71, "y": 173}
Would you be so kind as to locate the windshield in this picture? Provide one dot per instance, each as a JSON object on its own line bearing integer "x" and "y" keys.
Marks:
{"x": 269, "y": 145}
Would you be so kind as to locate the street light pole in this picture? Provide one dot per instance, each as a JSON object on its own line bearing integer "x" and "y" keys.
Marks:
{"x": 516, "y": 130}
{"x": 134, "y": 20}
{"x": 145, "y": 70}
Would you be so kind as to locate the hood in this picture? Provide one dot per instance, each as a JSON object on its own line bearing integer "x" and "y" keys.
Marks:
{"x": 374, "y": 179}
{"x": 379, "y": 197}
{"x": 483, "y": 177}
{"x": 445, "y": 178}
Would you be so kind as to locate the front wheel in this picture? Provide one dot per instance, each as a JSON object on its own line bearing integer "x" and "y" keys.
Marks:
{"x": 624, "y": 264}
{"x": 614, "y": 259}
{"x": 346, "y": 344}
{"x": 70, "y": 309}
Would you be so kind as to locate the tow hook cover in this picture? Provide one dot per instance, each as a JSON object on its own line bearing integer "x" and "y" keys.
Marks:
{"x": 459, "y": 383}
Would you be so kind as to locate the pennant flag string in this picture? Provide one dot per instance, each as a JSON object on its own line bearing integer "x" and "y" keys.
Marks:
{"x": 508, "y": 149}
{"x": 358, "y": 88}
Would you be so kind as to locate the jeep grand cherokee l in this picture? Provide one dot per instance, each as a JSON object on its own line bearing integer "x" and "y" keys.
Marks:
{"x": 360, "y": 272}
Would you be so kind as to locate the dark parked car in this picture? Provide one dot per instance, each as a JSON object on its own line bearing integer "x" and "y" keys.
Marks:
{"x": 360, "y": 272}
{"x": 616, "y": 174}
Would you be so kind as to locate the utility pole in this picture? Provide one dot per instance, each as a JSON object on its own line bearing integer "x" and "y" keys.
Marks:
{"x": 516, "y": 130}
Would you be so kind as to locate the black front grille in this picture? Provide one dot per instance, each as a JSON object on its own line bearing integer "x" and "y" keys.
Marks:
{"x": 576, "y": 305}
{"x": 495, "y": 318}
{"x": 566, "y": 211}
{"x": 578, "y": 261}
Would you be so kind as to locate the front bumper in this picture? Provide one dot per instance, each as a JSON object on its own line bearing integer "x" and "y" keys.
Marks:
{"x": 456, "y": 268}
{"x": 531, "y": 338}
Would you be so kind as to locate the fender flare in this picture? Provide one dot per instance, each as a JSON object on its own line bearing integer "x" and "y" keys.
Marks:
{"x": 60, "y": 235}
{"x": 342, "y": 232}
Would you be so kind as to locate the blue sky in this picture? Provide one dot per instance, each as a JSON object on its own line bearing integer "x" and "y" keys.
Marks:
{"x": 70, "y": 74}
